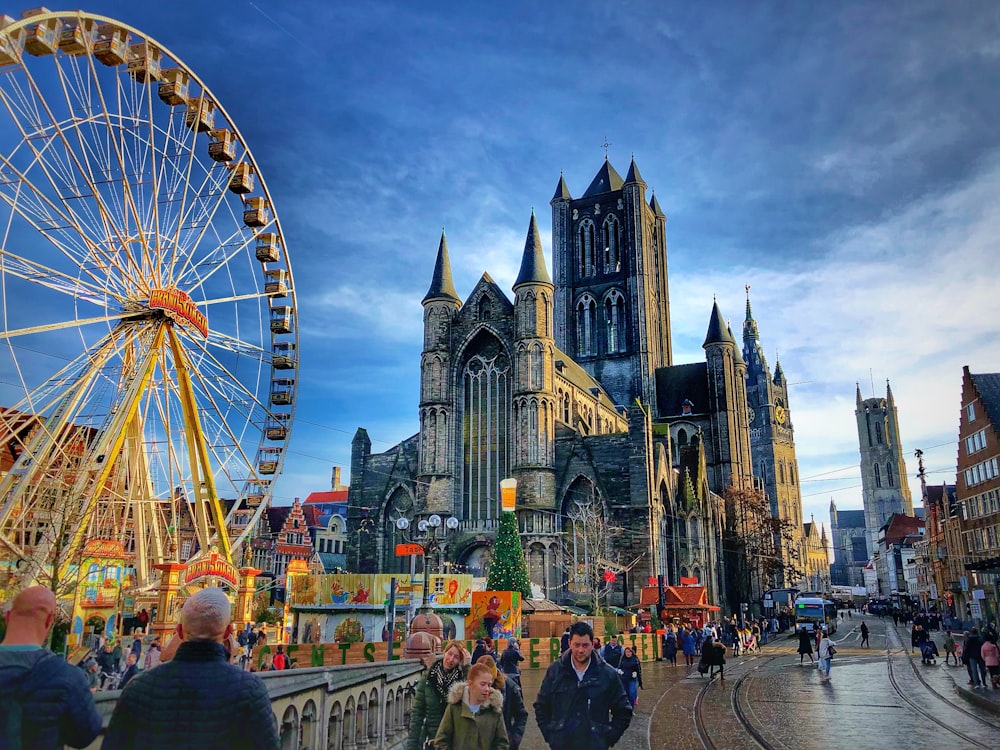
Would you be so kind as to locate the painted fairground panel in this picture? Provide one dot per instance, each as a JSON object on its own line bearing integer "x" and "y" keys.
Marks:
{"x": 495, "y": 613}
{"x": 104, "y": 577}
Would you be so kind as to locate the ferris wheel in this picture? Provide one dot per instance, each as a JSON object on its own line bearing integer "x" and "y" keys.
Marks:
{"x": 148, "y": 339}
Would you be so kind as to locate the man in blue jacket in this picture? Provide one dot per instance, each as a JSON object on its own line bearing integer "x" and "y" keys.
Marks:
{"x": 581, "y": 704}
{"x": 44, "y": 701}
{"x": 197, "y": 700}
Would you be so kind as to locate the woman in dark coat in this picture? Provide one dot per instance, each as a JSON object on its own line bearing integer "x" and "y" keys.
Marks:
{"x": 805, "y": 644}
{"x": 630, "y": 671}
{"x": 670, "y": 647}
{"x": 432, "y": 694}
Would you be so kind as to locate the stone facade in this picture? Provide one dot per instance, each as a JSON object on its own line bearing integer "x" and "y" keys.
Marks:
{"x": 772, "y": 443}
{"x": 884, "y": 484}
{"x": 850, "y": 546}
{"x": 570, "y": 389}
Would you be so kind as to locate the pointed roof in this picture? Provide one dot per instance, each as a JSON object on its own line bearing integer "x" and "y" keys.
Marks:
{"x": 655, "y": 205}
{"x": 738, "y": 359}
{"x": 562, "y": 191}
{"x": 718, "y": 331}
{"x": 442, "y": 287}
{"x": 606, "y": 181}
{"x": 987, "y": 385}
{"x": 779, "y": 374}
{"x": 533, "y": 270}
{"x": 633, "y": 174}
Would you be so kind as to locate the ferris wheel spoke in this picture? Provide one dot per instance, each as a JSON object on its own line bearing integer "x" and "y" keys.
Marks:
{"x": 67, "y": 324}
{"x": 48, "y": 128}
{"x": 36, "y": 273}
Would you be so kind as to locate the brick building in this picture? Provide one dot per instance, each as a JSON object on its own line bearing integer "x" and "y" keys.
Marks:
{"x": 978, "y": 493}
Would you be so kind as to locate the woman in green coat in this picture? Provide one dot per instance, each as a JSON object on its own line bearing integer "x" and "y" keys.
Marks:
{"x": 474, "y": 717}
{"x": 431, "y": 697}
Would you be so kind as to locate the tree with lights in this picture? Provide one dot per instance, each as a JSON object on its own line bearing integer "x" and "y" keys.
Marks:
{"x": 508, "y": 569}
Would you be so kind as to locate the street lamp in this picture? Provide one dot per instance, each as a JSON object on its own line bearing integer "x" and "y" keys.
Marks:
{"x": 428, "y": 540}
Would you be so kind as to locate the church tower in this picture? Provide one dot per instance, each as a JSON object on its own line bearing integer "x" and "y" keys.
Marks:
{"x": 727, "y": 395}
{"x": 435, "y": 490}
{"x": 883, "y": 471}
{"x": 772, "y": 444}
{"x": 534, "y": 401}
{"x": 610, "y": 266}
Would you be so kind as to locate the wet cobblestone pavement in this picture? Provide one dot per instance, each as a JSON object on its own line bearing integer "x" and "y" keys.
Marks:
{"x": 880, "y": 697}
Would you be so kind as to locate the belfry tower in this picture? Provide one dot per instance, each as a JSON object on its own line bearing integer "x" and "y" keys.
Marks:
{"x": 883, "y": 470}
{"x": 772, "y": 442}
{"x": 610, "y": 266}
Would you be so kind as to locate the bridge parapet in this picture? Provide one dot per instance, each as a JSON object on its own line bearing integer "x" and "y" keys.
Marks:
{"x": 352, "y": 707}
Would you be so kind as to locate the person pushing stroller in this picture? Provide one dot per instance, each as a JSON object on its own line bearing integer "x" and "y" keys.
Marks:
{"x": 928, "y": 652}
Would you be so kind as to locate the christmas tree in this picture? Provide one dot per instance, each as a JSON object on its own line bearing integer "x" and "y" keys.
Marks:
{"x": 508, "y": 570}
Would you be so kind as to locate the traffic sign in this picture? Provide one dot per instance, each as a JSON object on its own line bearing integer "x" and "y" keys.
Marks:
{"x": 405, "y": 550}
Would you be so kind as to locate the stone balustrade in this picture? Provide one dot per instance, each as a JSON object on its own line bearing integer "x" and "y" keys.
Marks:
{"x": 352, "y": 707}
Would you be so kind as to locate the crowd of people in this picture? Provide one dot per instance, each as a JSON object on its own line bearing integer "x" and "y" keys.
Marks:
{"x": 195, "y": 693}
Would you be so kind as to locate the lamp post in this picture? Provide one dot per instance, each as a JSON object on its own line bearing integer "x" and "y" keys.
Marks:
{"x": 428, "y": 541}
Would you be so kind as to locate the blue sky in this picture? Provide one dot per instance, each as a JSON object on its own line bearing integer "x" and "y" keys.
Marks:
{"x": 841, "y": 158}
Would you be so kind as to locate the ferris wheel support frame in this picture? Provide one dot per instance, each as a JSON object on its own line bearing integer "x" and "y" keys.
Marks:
{"x": 204, "y": 488}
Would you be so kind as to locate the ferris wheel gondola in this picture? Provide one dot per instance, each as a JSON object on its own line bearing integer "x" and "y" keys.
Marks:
{"x": 148, "y": 336}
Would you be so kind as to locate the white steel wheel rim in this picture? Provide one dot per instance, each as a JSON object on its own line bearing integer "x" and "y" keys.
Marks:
{"x": 107, "y": 201}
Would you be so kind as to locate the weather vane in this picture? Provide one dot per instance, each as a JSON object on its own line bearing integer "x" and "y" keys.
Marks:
{"x": 606, "y": 145}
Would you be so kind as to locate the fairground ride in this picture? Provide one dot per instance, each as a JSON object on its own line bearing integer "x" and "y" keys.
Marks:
{"x": 148, "y": 339}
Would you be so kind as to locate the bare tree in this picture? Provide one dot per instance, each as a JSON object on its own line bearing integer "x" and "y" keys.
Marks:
{"x": 589, "y": 551}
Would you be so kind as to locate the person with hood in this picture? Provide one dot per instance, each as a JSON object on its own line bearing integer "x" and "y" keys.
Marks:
{"x": 153, "y": 655}
{"x": 515, "y": 715}
{"x": 581, "y": 703}
{"x": 432, "y": 694}
{"x": 670, "y": 647}
{"x": 509, "y": 660}
{"x": 630, "y": 672}
{"x": 473, "y": 719}
{"x": 484, "y": 646}
{"x": 45, "y": 699}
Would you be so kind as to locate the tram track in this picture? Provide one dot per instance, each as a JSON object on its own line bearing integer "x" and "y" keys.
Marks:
{"x": 937, "y": 693}
{"x": 741, "y": 717}
{"x": 927, "y": 714}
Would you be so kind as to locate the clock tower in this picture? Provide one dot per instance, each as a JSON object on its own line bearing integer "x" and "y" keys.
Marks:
{"x": 772, "y": 445}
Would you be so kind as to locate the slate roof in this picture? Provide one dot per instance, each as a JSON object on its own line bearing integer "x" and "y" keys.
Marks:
{"x": 606, "y": 181}
{"x": 850, "y": 519}
{"x": 442, "y": 285}
{"x": 679, "y": 382}
{"x": 988, "y": 387}
{"x": 579, "y": 377}
{"x": 633, "y": 173}
{"x": 533, "y": 268}
{"x": 655, "y": 205}
{"x": 562, "y": 191}
{"x": 718, "y": 331}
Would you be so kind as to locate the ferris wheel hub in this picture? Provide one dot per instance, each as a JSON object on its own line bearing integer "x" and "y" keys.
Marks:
{"x": 178, "y": 306}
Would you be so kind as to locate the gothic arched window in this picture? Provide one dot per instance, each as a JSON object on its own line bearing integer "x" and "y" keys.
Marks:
{"x": 611, "y": 232}
{"x": 485, "y": 420}
{"x": 878, "y": 433}
{"x": 878, "y": 476}
{"x": 888, "y": 474}
{"x": 585, "y": 245}
{"x": 586, "y": 318}
{"x": 614, "y": 317}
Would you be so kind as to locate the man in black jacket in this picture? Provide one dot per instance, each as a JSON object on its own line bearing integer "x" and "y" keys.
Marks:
{"x": 197, "y": 700}
{"x": 45, "y": 702}
{"x": 581, "y": 704}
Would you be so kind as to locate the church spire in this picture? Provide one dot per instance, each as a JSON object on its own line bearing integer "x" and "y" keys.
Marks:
{"x": 562, "y": 190}
{"x": 750, "y": 332}
{"x": 655, "y": 206}
{"x": 533, "y": 270}
{"x": 633, "y": 174}
{"x": 442, "y": 287}
{"x": 718, "y": 331}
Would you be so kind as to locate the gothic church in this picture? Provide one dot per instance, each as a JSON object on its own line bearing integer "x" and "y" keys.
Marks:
{"x": 571, "y": 389}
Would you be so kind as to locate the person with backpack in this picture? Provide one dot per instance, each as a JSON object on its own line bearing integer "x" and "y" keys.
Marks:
{"x": 280, "y": 661}
{"x": 45, "y": 702}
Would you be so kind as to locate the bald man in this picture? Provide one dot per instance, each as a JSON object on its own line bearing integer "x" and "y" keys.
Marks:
{"x": 49, "y": 698}
{"x": 197, "y": 700}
